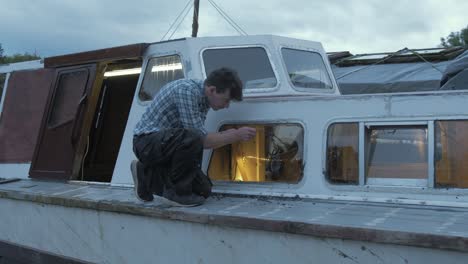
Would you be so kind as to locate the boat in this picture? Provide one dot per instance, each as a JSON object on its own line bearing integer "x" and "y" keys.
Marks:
{"x": 329, "y": 177}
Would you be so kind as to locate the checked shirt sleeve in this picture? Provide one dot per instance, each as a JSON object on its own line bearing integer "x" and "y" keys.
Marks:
{"x": 189, "y": 110}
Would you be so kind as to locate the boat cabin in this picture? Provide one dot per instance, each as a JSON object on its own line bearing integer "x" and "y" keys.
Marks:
{"x": 311, "y": 141}
{"x": 331, "y": 176}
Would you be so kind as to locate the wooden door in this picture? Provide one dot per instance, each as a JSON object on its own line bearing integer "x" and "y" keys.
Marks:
{"x": 61, "y": 140}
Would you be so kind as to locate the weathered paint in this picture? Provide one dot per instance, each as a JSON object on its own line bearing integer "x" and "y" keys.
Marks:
{"x": 315, "y": 111}
{"x": 108, "y": 225}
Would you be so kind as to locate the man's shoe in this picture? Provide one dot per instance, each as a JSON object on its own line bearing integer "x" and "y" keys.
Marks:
{"x": 174, "y": 199}
{"x": 141, "y": 191}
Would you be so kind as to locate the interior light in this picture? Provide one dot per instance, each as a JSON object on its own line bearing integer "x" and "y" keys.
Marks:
{"x": 122, "y": 72}
{"x": 167, "y": 67}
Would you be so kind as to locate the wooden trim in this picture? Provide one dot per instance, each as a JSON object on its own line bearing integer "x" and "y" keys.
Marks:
{"x": 114, "y": 53}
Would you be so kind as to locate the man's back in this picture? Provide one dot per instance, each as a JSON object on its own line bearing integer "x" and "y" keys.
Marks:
{"x": 179, "y": 104}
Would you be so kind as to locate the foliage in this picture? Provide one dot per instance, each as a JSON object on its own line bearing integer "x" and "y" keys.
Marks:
{"x": 18, "y": 57}
{"x": 456, "y": 39}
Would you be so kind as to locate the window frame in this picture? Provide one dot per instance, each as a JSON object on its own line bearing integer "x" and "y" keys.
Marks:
{"x": 4, "y": 91}
{"x": 331, "y": 76}
{"x": 256, "y": 185}
{"x": 247, "y": 92}
{"x": 384, "y": 183}
{"x": 145, "y": 66}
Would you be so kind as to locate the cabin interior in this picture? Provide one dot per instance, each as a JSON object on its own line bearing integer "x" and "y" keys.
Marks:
{"x": 108, "y": 123}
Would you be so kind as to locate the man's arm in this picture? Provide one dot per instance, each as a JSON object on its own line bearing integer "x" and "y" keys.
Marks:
{"x": 219, "y": 139}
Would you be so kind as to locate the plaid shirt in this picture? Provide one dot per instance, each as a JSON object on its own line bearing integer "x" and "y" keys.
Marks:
{"x": 179, "y": 104}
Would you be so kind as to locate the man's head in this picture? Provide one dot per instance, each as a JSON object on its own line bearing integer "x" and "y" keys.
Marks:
{"x": 222, "y": 86}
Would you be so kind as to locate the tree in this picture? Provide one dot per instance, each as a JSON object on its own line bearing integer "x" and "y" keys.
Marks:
{"x": 17, "y": 57}
{"x": 456, "y": 39}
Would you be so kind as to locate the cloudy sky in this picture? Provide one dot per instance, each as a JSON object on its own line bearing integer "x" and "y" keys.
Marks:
{"x": 54, "y": 27}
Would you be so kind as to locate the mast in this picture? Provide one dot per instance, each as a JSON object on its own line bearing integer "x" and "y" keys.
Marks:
{"x": 196, "y": 6}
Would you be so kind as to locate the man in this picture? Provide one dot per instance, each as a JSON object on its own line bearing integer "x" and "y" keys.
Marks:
{"x": 170, "y": 137}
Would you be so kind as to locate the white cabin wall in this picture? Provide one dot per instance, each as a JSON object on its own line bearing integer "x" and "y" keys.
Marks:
{"x": 122, "y": 175}
{"x": 316, "y": 113}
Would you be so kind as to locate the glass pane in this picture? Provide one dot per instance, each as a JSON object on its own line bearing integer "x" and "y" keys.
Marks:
{"x": 451, "y": 154}
{"x": 70, "y": 89}
{"x": 159, "y": 72}
{"x": 397, "y": 152}
{"x": 274, "y": 155}
{"x": 2, "y": 84}
{"x": 306, "y": 69}
{"x": 252, "y": 65}
{"x": 342, "y": 153}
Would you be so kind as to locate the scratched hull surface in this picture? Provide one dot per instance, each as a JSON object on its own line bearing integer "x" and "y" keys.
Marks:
{"x": 97, "y": 223}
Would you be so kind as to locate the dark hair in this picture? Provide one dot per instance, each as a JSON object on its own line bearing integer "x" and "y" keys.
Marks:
{"x": 226, "y": 78}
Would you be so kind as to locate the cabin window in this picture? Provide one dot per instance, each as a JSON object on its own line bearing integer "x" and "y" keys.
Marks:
{"x": 342, "y": 153}
{"x": 2, "y": 84}
{"x": 159, "y": 72}
{"x": 451, "y": 153}
{"x": 306, "y": 69}
{"x": 66, "y": 92}
{"x": 396, "y": 155}
{"x": 274, "y": 155}
{"x": 252, "y": 64}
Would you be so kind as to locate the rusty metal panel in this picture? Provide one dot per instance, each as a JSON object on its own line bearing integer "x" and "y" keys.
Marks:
{"x": 20, "y": 120}
{"x": 115, "y": 53}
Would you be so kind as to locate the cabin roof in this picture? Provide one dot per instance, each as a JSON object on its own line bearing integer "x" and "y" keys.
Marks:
{"x": 18, "y": 66}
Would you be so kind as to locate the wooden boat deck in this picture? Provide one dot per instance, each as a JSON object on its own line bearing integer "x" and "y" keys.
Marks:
{"x": 409, "y": 225}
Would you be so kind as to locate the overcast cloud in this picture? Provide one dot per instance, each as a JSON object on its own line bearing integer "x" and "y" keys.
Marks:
{"x": 54, "y": 27}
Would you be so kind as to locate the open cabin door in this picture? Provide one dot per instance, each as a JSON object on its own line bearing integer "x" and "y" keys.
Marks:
{"x": 76, "y": 101}
{"x": 60, "y": 144}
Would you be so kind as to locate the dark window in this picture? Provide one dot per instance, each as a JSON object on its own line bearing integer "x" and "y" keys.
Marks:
{"x": 66, "y": 92}
{"x": 2, "y": 84}
{"x": 252, "y": 65}
{"x": 342, "y": 153}
{"x": 306, "y": 69}
{"x": 397, "y": 152}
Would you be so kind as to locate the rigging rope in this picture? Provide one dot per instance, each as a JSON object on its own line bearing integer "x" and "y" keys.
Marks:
{"x": 180, "y": 22}
{"x": 177, "y": 18}
{"x": 388, "y": 57}
{"x": 181, "y": 17}
{"x": 228, "y": 18}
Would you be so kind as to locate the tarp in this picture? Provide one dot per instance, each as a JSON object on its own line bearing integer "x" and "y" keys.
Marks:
{"x": 456, "y": 74}
{"x": 398, "y": 77}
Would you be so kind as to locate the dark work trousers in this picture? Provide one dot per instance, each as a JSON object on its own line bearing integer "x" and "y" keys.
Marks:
{"x": 171, "y": 158}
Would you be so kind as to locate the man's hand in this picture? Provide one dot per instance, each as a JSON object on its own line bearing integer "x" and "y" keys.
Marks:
{"x": 229, "y": 136}
{"x": 245, "y": 133}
